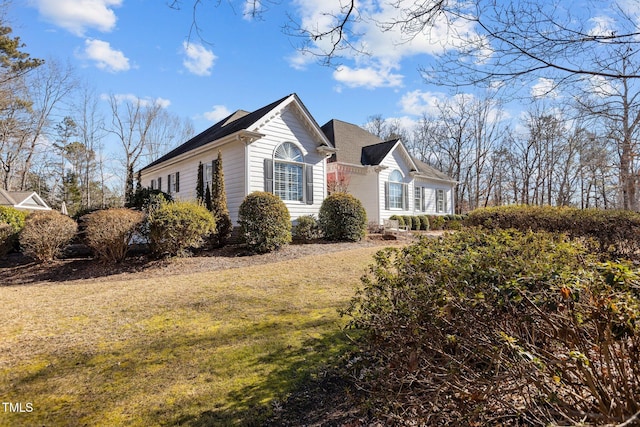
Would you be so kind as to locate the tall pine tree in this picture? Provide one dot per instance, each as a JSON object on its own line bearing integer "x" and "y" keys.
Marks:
{"x": 224, "y": 227}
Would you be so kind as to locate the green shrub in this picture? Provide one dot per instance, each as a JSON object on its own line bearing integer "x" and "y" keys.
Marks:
{"x": 424, "y": 222}
{"x": 398, "y": 218}
{"x": 143, "y": 196}
{"x": 11, "y": 222}
{"x": 265, "y": 222}
{"x": 478, "y": 316}
{"x": 109, "y": 232}
{"x": 176, "y": 227}
{"x": 306, "y": 229}
{"x": 415, "y": 223}
{"x": 46, "y": 233}
{"x": 408, "y": 221}
{"x": 616, "y": 232}
{"x": 436, "y": 222}
{"x": 342, "y": 217}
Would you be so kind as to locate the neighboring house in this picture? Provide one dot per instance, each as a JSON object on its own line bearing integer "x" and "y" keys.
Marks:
{"x": 23, "y": 200}
{"x": 386, "y": 178}
{"x": 278, "y": 148}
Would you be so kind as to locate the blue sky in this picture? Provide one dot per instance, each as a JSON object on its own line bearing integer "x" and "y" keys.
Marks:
{"x": 142, "y": 48}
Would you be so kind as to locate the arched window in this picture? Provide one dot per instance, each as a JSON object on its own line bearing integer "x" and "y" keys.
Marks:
{"x": 396, "y": 191}
{"x": 288, "y": 172}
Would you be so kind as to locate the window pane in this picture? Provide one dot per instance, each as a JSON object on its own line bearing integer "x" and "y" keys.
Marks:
{"x": 288, "y": 181}
{"x": 289, "y": 152}
{"x": 395, "y": 195}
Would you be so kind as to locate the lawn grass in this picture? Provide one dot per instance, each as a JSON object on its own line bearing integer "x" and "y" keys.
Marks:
{"x": 213, "y": 348}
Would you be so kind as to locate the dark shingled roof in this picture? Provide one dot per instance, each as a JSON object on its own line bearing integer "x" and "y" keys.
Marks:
{"x": 374, "y": 154}
{"x": 360, "y": 147}
{"x": 239, "y": 120}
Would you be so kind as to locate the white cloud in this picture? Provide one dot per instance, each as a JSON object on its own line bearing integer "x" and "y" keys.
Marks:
{"x": 545, "y": 88}
{"x": 218, "y": 113}
{"x": 77, "y": 16}
{"x": 199, "y": 60}
{"x": 368, "y": 77}
{"x": 418, "y": 103}
{"x": 386, "y": 46}
{"x": 144, "y": 102}
{"x": 105, "y": 57}
{"x": 602, "y": 87}
{"x": 602, "y": 26}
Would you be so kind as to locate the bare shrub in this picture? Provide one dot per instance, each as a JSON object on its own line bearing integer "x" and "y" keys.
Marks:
{"x": 109, "y": 232}
{"x": 46, "y": 233}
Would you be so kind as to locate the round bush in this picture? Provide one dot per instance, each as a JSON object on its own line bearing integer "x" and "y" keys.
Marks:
{"x": 306, "y": 229}
{"x": 398, "y": 218}
{"x": 176, "y": 227}
{"x": 408, "y": 221}
{"x": 342, "y": 217}
{"x": 415, "y": 223}
{"x": 109, "y": 232}
{"x": 11, "y": 222}
{"x": 265, "y": 222}
{"x": 46, "y": 233}
{"x": 424, "y": 222}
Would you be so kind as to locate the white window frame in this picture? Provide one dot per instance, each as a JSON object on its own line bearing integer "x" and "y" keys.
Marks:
{"x": 208, "y": 175}
{"x": 396, "y": 190}
{"x": 418, "y": 199}
{"x": 172, "y": 183}
{"x": 441, "y": 201}
{"x": 288, "y": 172}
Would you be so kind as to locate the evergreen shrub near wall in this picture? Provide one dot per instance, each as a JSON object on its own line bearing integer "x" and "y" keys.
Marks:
{"x": 616, "y": 232}
{"x": 46, "y": 233}
{"x": 176, "y": 227}
{"x": 306, "y": 229}
{"x": 265, "y": 222}
{"x": 398, "y": 218}
{"x": 342, "y": 218}
{"x": 424, "y": 222}
{"x": 109, "y": 232}
{"x": 11, "y": 222}
{"x": 477, "y": 317}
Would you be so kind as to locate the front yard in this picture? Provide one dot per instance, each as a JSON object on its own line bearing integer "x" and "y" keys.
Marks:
{"x": 181, "y": 345}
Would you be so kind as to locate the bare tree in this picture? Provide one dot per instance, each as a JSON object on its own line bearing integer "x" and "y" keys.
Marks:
{"x": 131, "y": 122}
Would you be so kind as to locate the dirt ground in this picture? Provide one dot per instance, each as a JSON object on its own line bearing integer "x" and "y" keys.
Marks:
{"x": 17, "y": 269}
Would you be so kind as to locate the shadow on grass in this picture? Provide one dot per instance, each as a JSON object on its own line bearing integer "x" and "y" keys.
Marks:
{"x": 305, "y": 387}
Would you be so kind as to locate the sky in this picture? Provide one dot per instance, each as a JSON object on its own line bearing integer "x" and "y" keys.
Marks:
{"x": 145, "y": 49}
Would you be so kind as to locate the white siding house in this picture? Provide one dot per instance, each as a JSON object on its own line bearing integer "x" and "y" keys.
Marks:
{"x": 384, "y": 176}
{"x": 278, "y": 148}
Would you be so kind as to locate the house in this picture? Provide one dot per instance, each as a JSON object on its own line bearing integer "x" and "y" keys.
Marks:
{"x": 278, "y": 148}
{"x": 386, "y": 178}
{"x": 23, "y": 200}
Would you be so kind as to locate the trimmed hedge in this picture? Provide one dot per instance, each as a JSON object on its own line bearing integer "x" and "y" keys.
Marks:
{"x": 109, "y": 232}
{"x": 265, "y": 222}
{"x": 342, "y": 218}
{"x": 616, "y": 232}
{"x": 176, "y": 227}
{"x": 46, "y": 233}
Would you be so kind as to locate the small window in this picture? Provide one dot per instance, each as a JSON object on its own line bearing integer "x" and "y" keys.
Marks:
{"x": 208, "y": 175}
{"x": 441, "y": 201}
{"x": 418, "y": 199}
{"x": 153, "y": 184}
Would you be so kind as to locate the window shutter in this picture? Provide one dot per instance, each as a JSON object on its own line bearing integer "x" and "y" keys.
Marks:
{"x": 405, "y": 194}
{"x": 268, "y": 175}
{"x": 386, "y": 195}
{"x": 423, "y": 196}
{"x": 160, "y": 183}
{"x": 177, "y": 182}
{"x": 169, "y": 183}
{"x": 308, "y": 171}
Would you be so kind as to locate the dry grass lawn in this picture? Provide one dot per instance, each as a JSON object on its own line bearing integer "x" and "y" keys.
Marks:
{"x": 204, "y": 348}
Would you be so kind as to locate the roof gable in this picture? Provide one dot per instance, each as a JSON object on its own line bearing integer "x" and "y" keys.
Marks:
{"x": 348, "y": 139}
{"x": 374, "y": 154}
{"x": 237, "y": 121}
{"x": 22, "y": 200}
